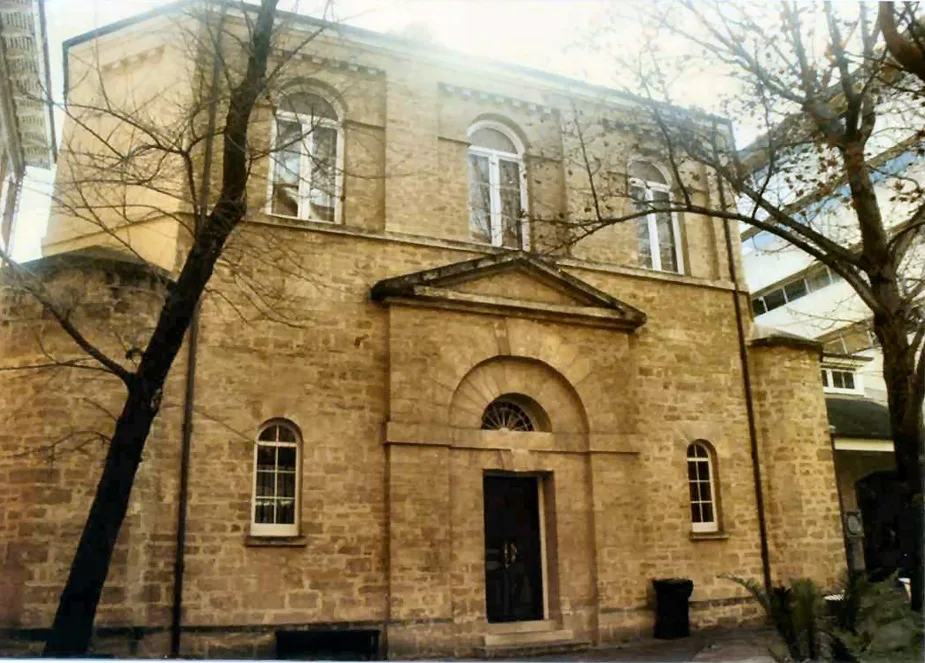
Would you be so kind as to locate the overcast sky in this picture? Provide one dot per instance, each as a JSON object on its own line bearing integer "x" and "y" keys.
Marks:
{"x": 536, "y": 33}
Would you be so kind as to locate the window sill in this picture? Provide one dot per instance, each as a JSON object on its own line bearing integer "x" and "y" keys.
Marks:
{"x": 252, "y": 541}
{"x": 299, "y": 219}
{"x": 708, "y": 536}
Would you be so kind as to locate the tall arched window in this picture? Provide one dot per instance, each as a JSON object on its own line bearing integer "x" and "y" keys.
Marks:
{"x": 304, "y": 172}
{"x": 659, "y": 235}
{"x": 497, "y": 187}
{"x": 700, "y": 478}
{"x": 276, "y": 481}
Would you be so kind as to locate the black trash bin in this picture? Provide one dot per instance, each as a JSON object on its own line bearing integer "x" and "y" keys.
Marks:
{"x": 672, "y": 618}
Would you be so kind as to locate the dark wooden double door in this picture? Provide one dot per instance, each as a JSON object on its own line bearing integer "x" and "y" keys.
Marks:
{"x": 513, "y": 549}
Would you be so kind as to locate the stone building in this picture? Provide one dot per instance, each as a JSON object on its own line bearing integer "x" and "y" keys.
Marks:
{"x": 457, "y": 436}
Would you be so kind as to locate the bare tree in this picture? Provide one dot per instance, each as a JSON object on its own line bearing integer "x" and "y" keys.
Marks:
{"x": 904, "y": 35}
{"x": 134, "y": 155}
{"x": 833, "y": 108}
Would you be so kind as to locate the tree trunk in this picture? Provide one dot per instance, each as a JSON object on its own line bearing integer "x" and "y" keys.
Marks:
{"x": 906, "y": 423}
{"x": 73, "y": 625}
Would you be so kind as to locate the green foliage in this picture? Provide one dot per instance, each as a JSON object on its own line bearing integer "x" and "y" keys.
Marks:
{"x": 872, "y": 622}
{"x": 877, "y": 624}
{"x": 797, "y": 613}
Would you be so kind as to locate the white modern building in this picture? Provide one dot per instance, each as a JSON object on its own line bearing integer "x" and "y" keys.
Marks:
{"x": 26, "y": 124}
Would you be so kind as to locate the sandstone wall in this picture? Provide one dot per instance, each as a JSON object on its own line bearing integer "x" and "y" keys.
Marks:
{"x": 800, "y": 493}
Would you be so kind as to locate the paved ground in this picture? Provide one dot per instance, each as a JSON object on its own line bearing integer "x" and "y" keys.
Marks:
{"x": 739, "y": 646}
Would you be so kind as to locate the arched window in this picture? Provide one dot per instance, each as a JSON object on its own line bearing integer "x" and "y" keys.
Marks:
{"x": 276, "y": 481}
{"x": 514, "y": 412}
{"x": 304, "y": 173}
{"x": 497, "y": 187}
{"x": 700, "y": 478}
{"x": 658, "y": 230}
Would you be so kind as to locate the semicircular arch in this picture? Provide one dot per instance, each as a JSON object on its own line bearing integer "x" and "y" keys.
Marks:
{"x": 503, "y": 376}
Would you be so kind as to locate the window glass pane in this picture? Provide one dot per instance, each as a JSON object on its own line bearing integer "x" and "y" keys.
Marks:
{"x": 509, "y": 181}
{"x": 479, "y": 198}
{"x": 263, "y": 511}
{"x": 285, "y": 434}
{"x": 707, "y": 510}
{"x": 695, "y": 494}
{"x": 706, "y": 495}
{"x": 758, "y": 306}
{"x": 774, "y": 299}
{"x": 695, "y": 512}
{"x": 266, "y": 457}
{"x": 285, "y": 484}
{"x": 492, "y": 139}
{"x": 265, "y": 484}
{"x": 286, "y": 171}
{"x": 849, "y": 380}
{"x": 817, "y": 279}
{"x": 795, "y": 290}
{"x": 825, "y": 378}
{"x": 691, "y": 471}
{"x": 269, "y": 433}
{"x": 645, "y": 242}
{"x": 323, "y": 163}
{"x": 666, "y": 239}
{"x": 837, "y": 380}
{"x": 696, "y": 451}
{"x": 285, "y": 511}
{"x": 286, "y": 459}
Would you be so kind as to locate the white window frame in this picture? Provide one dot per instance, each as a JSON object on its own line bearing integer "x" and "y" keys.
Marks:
{"x": 829, "y": 386}
{"x": 651, "y": 224}
{"x": 494, "y": 181}
{"x": 305, "y": 162}
{"x": 277, "y": 529}
{"x": 713, "y": 525}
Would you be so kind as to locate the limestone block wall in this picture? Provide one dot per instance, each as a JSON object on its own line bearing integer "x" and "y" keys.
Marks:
{"x": 405, "y": 113}
{"x": 53, "y": 439}
{"x": 388, "y": 400}
{"x": 800, "y": 493}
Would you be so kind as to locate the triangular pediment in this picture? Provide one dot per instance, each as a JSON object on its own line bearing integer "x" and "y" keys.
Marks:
{"x": 513, "y": 283}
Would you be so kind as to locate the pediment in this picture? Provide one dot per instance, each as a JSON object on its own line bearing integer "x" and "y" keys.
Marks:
{"x": 514, "y": 283}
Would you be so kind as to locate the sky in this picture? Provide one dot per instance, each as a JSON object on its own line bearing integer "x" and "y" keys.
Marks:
{"x": 536, "y": 33}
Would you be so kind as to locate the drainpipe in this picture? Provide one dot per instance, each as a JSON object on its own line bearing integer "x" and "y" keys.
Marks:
{"x": 192, "y": 353}
{"x": 749, "y": 400}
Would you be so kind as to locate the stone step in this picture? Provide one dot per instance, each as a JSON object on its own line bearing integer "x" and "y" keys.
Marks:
{"x": 522, "y": 627}
{"x": 528, "y": 638}
{"x": 525, "y": 650}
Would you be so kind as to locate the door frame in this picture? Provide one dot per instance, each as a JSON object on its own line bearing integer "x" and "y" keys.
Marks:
{"x": 541, "y": 483}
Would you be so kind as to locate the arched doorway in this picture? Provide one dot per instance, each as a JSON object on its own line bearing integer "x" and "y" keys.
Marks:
{"x": 514, "y": 556}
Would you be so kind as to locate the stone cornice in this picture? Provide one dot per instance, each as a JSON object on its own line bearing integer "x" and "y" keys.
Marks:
{"x": 332, "y": 63}
{"x": 498, "y": 99}
{"x": 134, "y": 58}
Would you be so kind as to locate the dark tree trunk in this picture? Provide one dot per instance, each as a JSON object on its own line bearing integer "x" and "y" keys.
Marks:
{"x": 894, "y": 323}
{"x": 906, "y": 422}
{"x": 73, "y": 625}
